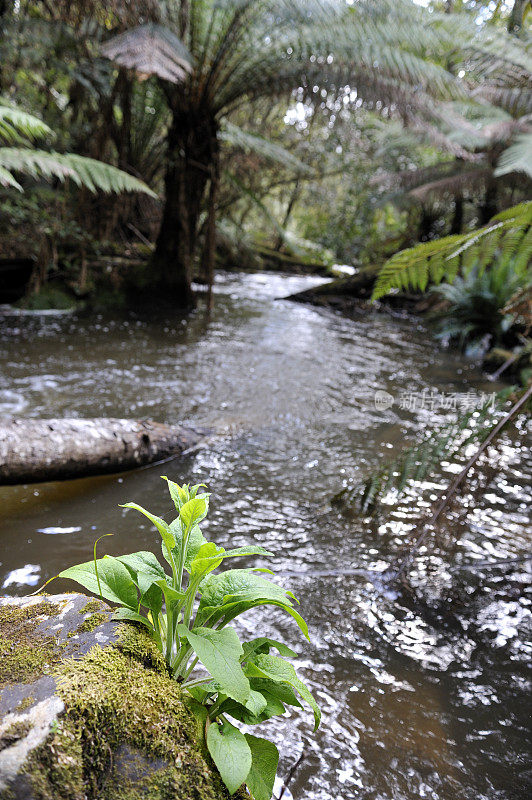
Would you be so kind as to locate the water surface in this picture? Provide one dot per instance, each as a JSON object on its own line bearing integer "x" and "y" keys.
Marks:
{"x": 412, "y": 708}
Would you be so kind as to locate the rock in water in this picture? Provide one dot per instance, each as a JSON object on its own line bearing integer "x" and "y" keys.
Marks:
{"x": 88, "y": 710}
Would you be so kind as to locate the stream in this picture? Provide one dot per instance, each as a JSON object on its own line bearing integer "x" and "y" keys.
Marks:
{"x": 415, "y": 704}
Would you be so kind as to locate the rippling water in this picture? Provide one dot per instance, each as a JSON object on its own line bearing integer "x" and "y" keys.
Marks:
{"x": 414, "y": 706}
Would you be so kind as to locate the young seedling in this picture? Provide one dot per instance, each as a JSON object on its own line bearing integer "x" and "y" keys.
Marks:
{"x": 187, "y": 613}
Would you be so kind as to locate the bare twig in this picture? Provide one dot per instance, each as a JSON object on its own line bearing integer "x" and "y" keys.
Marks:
{"x": 292, "y": 772}
{"x": 447, "y": 494}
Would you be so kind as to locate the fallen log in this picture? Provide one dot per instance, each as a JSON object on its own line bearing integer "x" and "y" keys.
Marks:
{"x": 353, "y": 293}
{"x": 36, "y": 450}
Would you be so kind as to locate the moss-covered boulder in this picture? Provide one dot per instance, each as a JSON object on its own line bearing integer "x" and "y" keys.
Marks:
{"x": 88, "y": 710}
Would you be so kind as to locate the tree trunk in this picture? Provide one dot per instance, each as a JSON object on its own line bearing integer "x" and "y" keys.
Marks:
{"x": 192, "y": 153}
{"x": 515, "y": 22}
{"x": 458, "y": 215}
{"x": 36, "y": 450}
{"x": 209, "y": 248}
{"x": 488, "y": 209}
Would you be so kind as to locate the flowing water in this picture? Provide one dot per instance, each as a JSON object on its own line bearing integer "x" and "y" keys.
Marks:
{"x": 414, "y": 705}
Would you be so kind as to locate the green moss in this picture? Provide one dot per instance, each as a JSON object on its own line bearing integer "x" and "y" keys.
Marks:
{"x": 113, "y": 695}
{"x": 26, "y": 703}
{"x": 15, "y": 732}
{"x": 91, "y": 606}
{"x": 25, "y": 657}
{"x": 92, "y": 622}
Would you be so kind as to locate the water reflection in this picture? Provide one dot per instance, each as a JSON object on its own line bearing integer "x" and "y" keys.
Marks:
{"x": 411, "y": 708}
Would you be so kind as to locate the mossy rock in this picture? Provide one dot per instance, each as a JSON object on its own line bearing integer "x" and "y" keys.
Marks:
{"x": 88, "y": 710}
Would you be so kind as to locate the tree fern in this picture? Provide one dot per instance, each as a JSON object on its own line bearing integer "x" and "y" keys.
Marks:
{"x": 15, "y": 124}
{"x": 517, "y": 158}
{"x": 93, "y": 175}
{"x": 508, "y": 236}
{"x": 270, "y": 151}
{"x": 421, "y": 461}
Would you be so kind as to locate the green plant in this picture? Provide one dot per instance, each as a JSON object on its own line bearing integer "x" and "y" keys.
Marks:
{"x": 473, "y": 316}
{"x": 245, "y": 681}
{"x": 17, "y": 127}
{"x": 507, "y": 238}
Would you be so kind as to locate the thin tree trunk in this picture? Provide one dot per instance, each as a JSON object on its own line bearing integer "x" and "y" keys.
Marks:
{"x": 515, "y": 22}
{"x": 488, "y": 209}
{"x": 288, "y": 213}
{"x": 458, "y": 215}
{"x": 209, "y": 251}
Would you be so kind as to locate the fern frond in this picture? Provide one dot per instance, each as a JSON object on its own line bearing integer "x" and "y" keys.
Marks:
{"x": 433, "y": 261}
{"x": 15, "y": 124}
{"x": 93, "y": 175}
{"x": 517, "y": 158}
{"x": 423, "y": 459}
{"x": 270, "y": 151}
{"x": 151, "y": 49}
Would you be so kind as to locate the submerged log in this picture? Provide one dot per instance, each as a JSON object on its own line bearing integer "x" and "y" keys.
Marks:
{"x": 36, "y": 450}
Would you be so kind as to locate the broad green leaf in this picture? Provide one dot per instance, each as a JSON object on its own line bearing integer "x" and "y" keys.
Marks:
{"x": 195, "y": 540}
{"x": 264, "y": 761}
{"x": 256, "y": 703}
{"x": 142, "y": 562}
{"x": 115, "y": 581}
{"x": 132, "y": 616}
{"x": 208, "y": 557}
{"x": 172, "y": 597}
{"x": 281, "y": 691}
{"x": 163, "y": 528}
{"x": 255, "y": 711}
{"x": 263, "y": 645}
{"x": 237, "y": 590}
{"x": 152, "y": 598}
{"x": 276, "y": 696}
{"x": 248, "y": 550}
{"x": 193, "y": 511}
{"x": 234, "y": 581}
{"x": 179, "y": 494}
{"x": 282, "y": 672}
{"x": 220, "y": 652}
{"x": 230, "y": 752}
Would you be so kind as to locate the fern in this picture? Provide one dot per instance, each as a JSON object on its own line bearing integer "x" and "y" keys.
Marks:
{"x": 93, "y": 175}
{"x": 270, "y": 151}
{"x": 517, "y": 158}
{"x": 151, "y": 50}
{"x": 423, "y": 459}
{"x": 508, "y": 236}
{"x": 16, "y": 124}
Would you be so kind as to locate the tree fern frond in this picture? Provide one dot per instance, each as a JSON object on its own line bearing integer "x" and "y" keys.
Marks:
{"x": 93, "y": 175}
{"x": 271, "y": 151}
{"x": 444, "y": 258}
{"x": 8, "y": 180}
{"x": 423, "y": 459}
{"x": 517, "y": 158}
{"x": 16, "y": 124}
{"x": 151, "y": 49}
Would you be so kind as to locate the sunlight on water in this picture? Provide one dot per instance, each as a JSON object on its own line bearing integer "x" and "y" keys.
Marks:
{"x": 413, "y": 706}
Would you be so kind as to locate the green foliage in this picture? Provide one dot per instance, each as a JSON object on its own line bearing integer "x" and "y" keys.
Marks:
{"x": 518, "y": 157}
{"x": 474, "y": 316}
{"x": 244, "y": 681}
{"x": 423, "y": 459}
{"x": 507, "y": 238}
{"x": 87, "y": 172}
